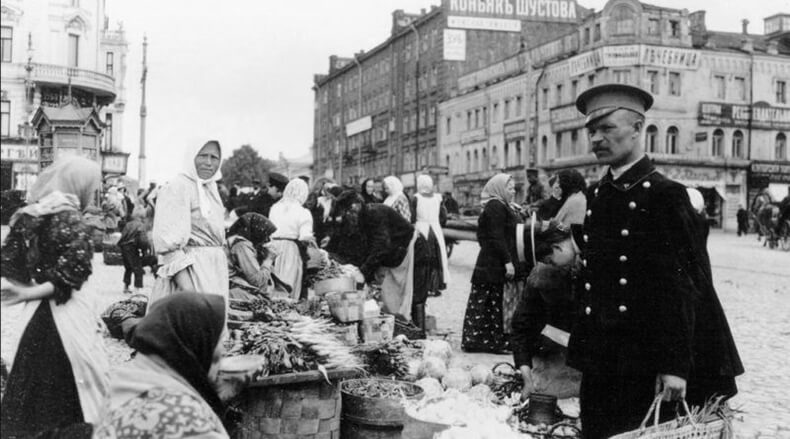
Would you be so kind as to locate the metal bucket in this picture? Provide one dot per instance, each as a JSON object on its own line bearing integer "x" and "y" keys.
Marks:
{"x": 415, "y": 428}
{"x": 373, "y": 418}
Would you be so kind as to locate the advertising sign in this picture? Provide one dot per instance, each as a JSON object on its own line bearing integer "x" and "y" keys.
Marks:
{"x": 454, "y": 45}
{"x": 615, "y": 56}
{"x": 776, "y": 172}
{"x": 735, "y": 115}
{"x": 114, "y": 162}
{"x": 632, "y": 55}
{"x": 530, "y": 10}
{"x": 358, "y": 126}
{"x": 484, "y": 23}
{"x": 585, "y": 62}
{"x": 670, "y": 57}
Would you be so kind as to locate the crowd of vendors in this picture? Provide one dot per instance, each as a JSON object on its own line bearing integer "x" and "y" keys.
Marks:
{"x": 601, "y": 291}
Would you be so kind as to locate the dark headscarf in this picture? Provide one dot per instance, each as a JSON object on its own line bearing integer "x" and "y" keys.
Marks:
{"x": 184, "y": 329}
{"x": 254, "y": 227}
{"x": 369, "y": 198}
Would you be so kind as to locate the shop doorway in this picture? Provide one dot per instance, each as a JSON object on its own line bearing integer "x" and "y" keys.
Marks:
{"x": 714, "y": 207}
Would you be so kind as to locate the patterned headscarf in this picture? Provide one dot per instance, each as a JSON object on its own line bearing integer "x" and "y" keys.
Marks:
{"x": 395, "y": 189}
{"x": 206, "y": 188}
{"x": 184, "y": 329}
{"x": 254, "y": 227}
{"x": 496, "y": 189}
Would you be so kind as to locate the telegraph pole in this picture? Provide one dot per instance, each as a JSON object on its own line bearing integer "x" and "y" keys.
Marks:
{"x": 141, "y": 158}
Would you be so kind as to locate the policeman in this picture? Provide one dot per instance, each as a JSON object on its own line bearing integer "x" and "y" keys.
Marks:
{"x": 649, "y": 322}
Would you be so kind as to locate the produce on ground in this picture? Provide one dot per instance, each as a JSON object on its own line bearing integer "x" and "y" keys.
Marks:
{"x": 433, "y": 367}
{"x": 456, "y": 408}
{"x": 376, "y": 388}
{"x": 431, "y": 386}
{"x": 389, "y": 358}
{"x": 481, "y": 375}
{"x": 458, "y": 379}
{"x": 438, "y": 349}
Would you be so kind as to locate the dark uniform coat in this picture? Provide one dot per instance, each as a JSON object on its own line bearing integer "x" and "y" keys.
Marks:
{"x": 647, "y": 305}
{"x": 496, "y": 234}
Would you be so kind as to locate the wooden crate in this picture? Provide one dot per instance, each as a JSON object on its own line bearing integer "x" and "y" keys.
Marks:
{"x": 293, "y": 406}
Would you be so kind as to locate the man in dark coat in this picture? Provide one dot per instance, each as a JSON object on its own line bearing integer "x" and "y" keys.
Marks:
{"x": 743, "y": 220}
{"x": 649, "y": 321}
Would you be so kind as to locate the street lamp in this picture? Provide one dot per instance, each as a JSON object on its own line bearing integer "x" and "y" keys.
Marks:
{"x": 417, "y": 101}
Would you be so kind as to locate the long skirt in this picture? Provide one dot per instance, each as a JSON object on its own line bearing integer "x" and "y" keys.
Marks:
{"x": 207, "y": 268}
{"x": 42, "y": 392}
{"x": 483, "y": 323}
{"x": 288, "y": 265}
{"x": 427, "y": 267}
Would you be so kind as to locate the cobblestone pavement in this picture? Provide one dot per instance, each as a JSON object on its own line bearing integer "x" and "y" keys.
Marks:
{"x": 753, "y": 283}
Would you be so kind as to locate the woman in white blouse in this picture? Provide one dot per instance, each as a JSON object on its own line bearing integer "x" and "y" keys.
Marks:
{"x": 294, "y": 229}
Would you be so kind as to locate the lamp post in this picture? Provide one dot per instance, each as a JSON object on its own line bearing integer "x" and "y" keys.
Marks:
{"x": 29, "y": 99}
{"x": 143, "y": 113}
{"x": 359, "y": 115}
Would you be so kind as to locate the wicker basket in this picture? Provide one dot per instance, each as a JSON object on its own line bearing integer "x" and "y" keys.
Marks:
{"x": 293, "y": 406}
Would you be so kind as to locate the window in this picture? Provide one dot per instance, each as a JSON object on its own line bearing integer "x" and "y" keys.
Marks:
{"x": 544, "y": 101}
{"x": 719, "y": 85}
{"x": 558, "y": 145}
{"x": 672, "y": 140}
{"x": 507, "y": 110}
{"x": 653, "y": 26}
{"x": 597, "y": 34}
{"x": 108, "y": 131}
{"x": 449, "y": 124}
{"x": 575, "y": 142}
{"x": 485, "y": 160}
{"x": 476, "y": 164}
{"x": 494, "y": 111}
{"x": 477, "y": 117}
{"x": 737, "y": 144}
{"x": 652, "y": 79}
{"x": 406, "y": 122}
{"x": 6, "y": 39}
{"x": 781, "y": 147}
{"x": 5, "y": 118}
{"x": 468, "y": 162}
{"x": 586, "y": 35}
{"x": 622, "y": 76}
{"x": 558, "y": 95}
{"x": 468, "y": 120}
{"x": 781, "y": 92}
{"x": 506, "y": 152}
{"x": 651, "y": 139}
{"x": 447, "y": 162}
{"x": 574, "y": 89}
{"x": 518, "y": 152}
{"x": 740, "y": 88}
{"x": 674, "y": 28}
{"x": 110, "y": 64}
{"x": 339, "y": 90}
{"x": 432, "y": 116}
{"x": 622, "y": 20}
{"x": 590, "y": 80}
{"x": 518, "y": 106}
{"x": 544, "y": 148}
{"x": 674, "y": 83}
{"x": 485, "y": 116}
{"x": 717, "y": 148}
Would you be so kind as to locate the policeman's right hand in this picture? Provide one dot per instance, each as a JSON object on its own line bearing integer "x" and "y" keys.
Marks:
{"x": 529, "y": 385}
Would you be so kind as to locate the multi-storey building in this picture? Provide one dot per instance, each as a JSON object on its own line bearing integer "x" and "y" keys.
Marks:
{"x": 56, "y": 53}
{"x": 720, "y": 119}
{"x": 376, "y": 113}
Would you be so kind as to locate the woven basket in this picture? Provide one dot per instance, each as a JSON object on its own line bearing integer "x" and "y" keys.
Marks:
{"x": 111, "y": 254}
{"x": 680, "y": 428}
{"x": 293, "y": 406}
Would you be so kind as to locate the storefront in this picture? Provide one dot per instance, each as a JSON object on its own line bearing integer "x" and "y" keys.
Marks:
{"x": 771, "y": 175}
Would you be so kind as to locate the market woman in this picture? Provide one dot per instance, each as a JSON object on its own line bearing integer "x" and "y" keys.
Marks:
{"x": 396, "y": 199}
{"x": 294, "y": 232}
{"x": 59, "y": 375}
{"x": 429, "y": 215}
{"x": 168, "y": 389}
{"x": 189, "y": 227}
{"x": 249, "y": 262}
{"x": 369, "y": 191}
{"x": 497, "y": 263}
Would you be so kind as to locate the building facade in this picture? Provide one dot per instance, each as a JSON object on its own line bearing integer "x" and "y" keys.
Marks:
{"x": 720, "y": 114}
{"x": 376, "y": 112}
{"x": 57, "y": 53}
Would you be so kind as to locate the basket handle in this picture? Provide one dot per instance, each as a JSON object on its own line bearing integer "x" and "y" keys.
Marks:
{"x": 655, "y": 409}
{"x": 553, "y": 428}
{"x": 504, "y": 363}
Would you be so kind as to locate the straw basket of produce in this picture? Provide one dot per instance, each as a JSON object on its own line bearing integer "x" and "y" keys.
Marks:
{"x": 373, "y": 408}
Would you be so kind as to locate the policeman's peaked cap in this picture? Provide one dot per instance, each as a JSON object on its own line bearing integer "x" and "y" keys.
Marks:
{"x": 603, "y": 100}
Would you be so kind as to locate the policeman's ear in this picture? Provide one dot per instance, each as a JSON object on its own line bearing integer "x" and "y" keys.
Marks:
{"x": 638, "y": 124}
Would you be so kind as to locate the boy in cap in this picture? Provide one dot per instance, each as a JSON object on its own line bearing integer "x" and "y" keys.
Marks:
{"x": 650, "y": 322}
{"x": 277, "y": 184}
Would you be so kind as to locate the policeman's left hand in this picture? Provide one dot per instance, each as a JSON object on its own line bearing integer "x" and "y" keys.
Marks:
{"x": 673, "y": 387}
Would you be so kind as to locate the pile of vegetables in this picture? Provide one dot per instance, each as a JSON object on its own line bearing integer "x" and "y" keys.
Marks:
{"x": 281, "y": 351}
{"x": 459, "y": 409}
{"x": 319, "y": 337}
{"x": 331, "y": 270}
{"x": 390, "y": 358}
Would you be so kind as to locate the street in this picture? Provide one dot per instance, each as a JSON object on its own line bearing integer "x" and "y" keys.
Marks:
{"x": 752, "y": 281}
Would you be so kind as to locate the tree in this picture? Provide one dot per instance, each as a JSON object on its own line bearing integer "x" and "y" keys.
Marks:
{"x": 245, "y": 165}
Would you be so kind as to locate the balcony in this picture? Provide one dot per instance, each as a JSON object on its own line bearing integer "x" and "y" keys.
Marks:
{"x": 98, "y": 83}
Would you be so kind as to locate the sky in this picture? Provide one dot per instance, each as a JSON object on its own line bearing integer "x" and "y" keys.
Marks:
{"x": 241, "y": 71}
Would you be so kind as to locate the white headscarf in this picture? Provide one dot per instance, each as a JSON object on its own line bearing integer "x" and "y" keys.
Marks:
{"x": 425, "y": 185}
{"x": 206, "y": 188}
{"x": 296, "y": 190}
{"x": 395, "y": 189}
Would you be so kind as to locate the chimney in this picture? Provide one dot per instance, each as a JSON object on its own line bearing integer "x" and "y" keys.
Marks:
{"x": 747, "y": 45}
{"x": 745, "y": 26}
{"x": 697, "y": 22}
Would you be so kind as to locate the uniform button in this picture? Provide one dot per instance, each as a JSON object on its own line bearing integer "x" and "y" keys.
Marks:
{"x": 584, "y": 262}
{"x": 596, "y": 192}
{"x": 589, "y": 212}
{"x": 627, "y": 185}
{"x": 586, "y": 238}
{"x": 624, "y": 232}
{"x": 632, "y": 205}
{"x": 587, "y": 310}
{"x": 623, "y": 281}
{"x": 587, "y": 286}
{"x": 622, "y": 308}
{"x": 646, "y": 185}
{"x": 623, "y": 258}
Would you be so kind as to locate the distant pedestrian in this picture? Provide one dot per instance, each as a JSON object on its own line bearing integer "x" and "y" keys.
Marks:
{"x": 369, "y": 191}
{"x": 743, "y": 220}
{"x": 133, "y": 245}
{"x": 548, "y": 208}
{"x": 432, "y": 274}
{"x": 274, "y": 193}
{"x": 450, "y": 204}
